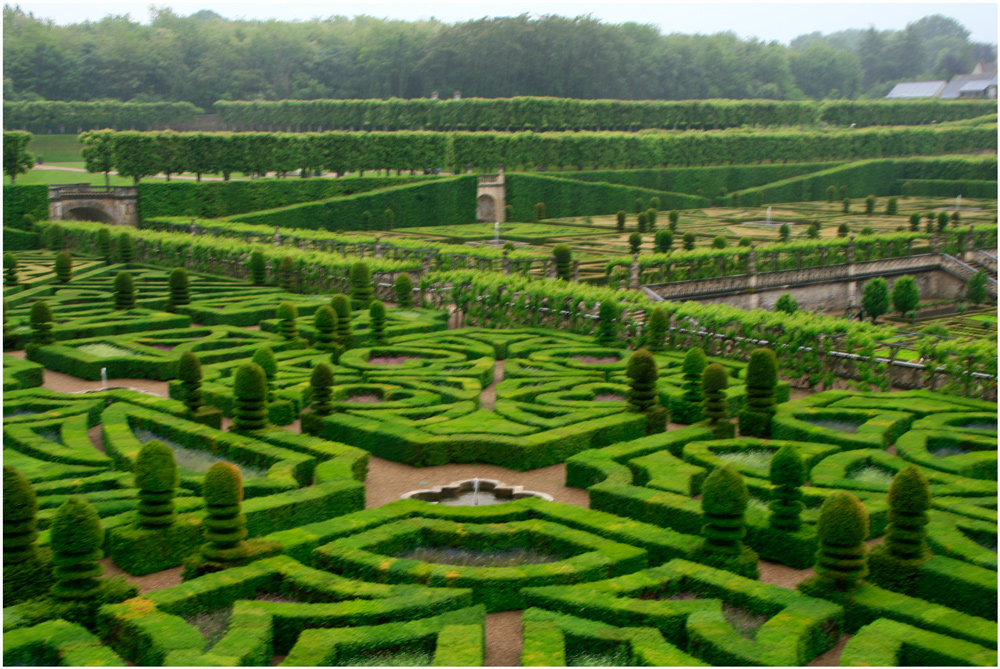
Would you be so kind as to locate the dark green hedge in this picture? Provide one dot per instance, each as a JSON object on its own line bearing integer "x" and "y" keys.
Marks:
{"x": 952, "y": 188}
{"x": 19, "y": 240}
{"x": 888, "y": 643}
{"x": 20, "y": 200}
{"x": 448, "y": 201}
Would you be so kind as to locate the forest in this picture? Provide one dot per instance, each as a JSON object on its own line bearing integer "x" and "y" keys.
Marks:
{"x": 204, "y": 57}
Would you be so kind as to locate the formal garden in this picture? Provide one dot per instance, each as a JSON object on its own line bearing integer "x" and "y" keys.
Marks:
{"x": 335, "y": 420}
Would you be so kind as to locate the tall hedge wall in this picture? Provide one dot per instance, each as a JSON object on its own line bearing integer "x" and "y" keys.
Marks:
{"x": 945, "y": 188}
{"x": 20, "y": 200}
{"x": 447, "y": 201}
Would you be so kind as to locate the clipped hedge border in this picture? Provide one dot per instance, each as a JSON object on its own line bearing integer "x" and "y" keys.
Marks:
{"x": 57, "y": 643}
{"x": 890, "y": 643}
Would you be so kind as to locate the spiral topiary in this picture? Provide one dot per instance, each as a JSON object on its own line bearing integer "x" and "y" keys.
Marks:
{"x": 714, "y": 381}
{"x": 692, "y": 368}
{"x": 345, "y": 332}
{"x": 689, "y": 240}
{"x": 376, "y": 313}
{"x": 404, "y": 290}
{"x": 104, "y": 244}
{"x": 321, "y": 383}
{"x": 124, "y": 292}
{"x": 225, "y": 524}
{"x": 9, "y": 269}
{"x": 250, "y": 398}
{"x": 189, "y": 373}
{"x": 620, "y": 220}
{"x": 288, "y": 279}
{"x": 896, "y": 563}
{"x": 325, "y": 322}
{"x": 724, "y": 500}
{"x": 787, "y": 476}
{"x": 258, "y": 268}
{"x": 20, "y": 509}
{"x": 842, "y": 528}
{"x": 641, "y": 223}
{"x": 180, "y": 289}
{"x": 264, "y": 357}
{"x": 651, "y": 219}
{"x": 563, "y": 255}
{"x": 361, "y": 285}
{"x": 125, "y": 254}
{"x": 607, "y": 327}
{"x": 64, "y": 266}
{"x": 761, "y": 383}
{"x": 674, "y": 216}
{"x": 642, "y": 375}
{"x": 656, "y": 329}
{"x": 41, "y": 324}
{"x": 156, "y": 478}
{"x": 287, "y": 326}
{"x": 76, "y": 538}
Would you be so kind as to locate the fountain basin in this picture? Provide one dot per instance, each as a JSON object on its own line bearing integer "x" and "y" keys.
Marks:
{"x": 474, "y": 492}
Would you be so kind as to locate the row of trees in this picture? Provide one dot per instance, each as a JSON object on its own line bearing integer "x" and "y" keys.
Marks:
{"x": 203, "y": 58}
{"x": 139, "y": 154}
{"x": 72, "y": 117}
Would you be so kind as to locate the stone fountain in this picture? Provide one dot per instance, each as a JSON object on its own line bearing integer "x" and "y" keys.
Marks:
{"x": 474, "y": 492}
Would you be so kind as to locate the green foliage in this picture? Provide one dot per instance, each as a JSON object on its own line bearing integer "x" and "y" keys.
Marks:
{"x": 376, "y": 313}
{"x": 664, "y": 241}
{"x": 564, "y": 261}
{"x": 896, "y": 563}
{"x": 745, "y": 242}
{"x": 9, "y": 269}
{"x": 761, "y": 382}
{"x": 325, "y": 324}
{"x": 124, "y": 292}
{"x": 250, "y": 398}
{"x": 156, "y": 478}
{"x": 915, "y": 221}
{"x": 288, "y": 276}
{"x": 656, "y": 329}
{"x": 642, "y": 375}
{"x": 634, "y": 242}
{"x": 41, "y": 324}
{"x": 225, "y": 524}
{"x": 361, "y": 285}
{"x": 694, "y": 364}
{"x": 258, "y": 268}
{"x": 875, "y": 298}
{"x": 788, "y": 474}
{"x": 869, "y": 205}
{"x": 719, "y": 242}
{"x": 345, "y": 332}
{"x": 714, "y": 381}
{"x": 321, "y": 383}
{"x": 975, "y": 289}
{"x": 64, "y": 266}
{"x": 264, "y": 357}
{"x": 674, "y": 216}
{"x": 539, "y": 211}
{"x": 651, "y": 219}
{"x": 786, "y": 304}
{"x": 641, "y": 222}
{"x": 620, "y": 221}
{"x": 892, "y": 206}
{"x": 366, "y": 220}
{"x": 812, "y": 231}
{"x": 689, "y": 241}
{"x": 942, "y": 221}
{"x": 607, "y": 325}
{"x": 189, "y": 373}
{"x": 76, "y": 539}
{"x": 758, "y": 198}
{"x": 180, "y": 289}
{"x": 404, "y": 290}
{"x": 843, "y": 230}
{"x": 905, "y": 294}
{"x": 831, "y": 193}
{"x": 125, "y": 254}
{"x": 388, "y": 219}
{"x": 846, "y": 208}
{"x": 783, "y": 232}
{"x": 842, "y": 527}
{"x": 20, "y": 509}
{"x": 723, "y": 503}
{"x": 16, "y": 158}
{"x": 287, "y": 313}
{"x": 104, "y": 244}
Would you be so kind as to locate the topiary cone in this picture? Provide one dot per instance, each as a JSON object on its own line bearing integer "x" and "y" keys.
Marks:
{"x": 287, "y": 314}
{"x": 156, "y": 478}
{"x": 787, "y": 476}
{"x": 325, "y": 323}
{"x": 225, "y": 524}
{"x": 321, "y": 382}
{"x": 642, "y": 373}
{"x": 376, "y": 314}
{"x": 909, "y": 500}
{"x": 250, "y": 395}
{"x": 714, "y": 381}
{"x": 842, "y": 528}
{"x": 20, "y": 509}
{"x": 76, "y": 539}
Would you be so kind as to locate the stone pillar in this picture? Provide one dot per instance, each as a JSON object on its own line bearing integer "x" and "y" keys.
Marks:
{"x": 852, "y": 285}
{"x": 576, "y": 270}
{"x": 970, "y": 244}
{"x": 378, "y": 249}
{"x": 752, "y": 277}
{"x": 936, "y": 242}
{"x": 633, "y": 272}
{"x": 277, "y": 236}
{"x": 506, "y": 261}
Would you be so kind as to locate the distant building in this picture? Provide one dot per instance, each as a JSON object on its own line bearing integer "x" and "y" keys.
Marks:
{"x": 916, "y": 89}
{"x": 980, "y": 83}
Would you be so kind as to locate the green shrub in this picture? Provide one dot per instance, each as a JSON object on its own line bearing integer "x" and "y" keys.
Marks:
{"x": 719, "y": 242}
{"x": 905, "y": 294}
{"x": 842, "y": 528}
{"x": 125, "y": 253}
{"x": 258, "y": 268}
{"x": 288, "y": 328}
{"x": 563, "y": 255}
{"x": 539, "y": 211}
{"x": 321, "y": 383}
{"x": 942, "y": 221}
{"x": 124, "y": 292}
{"x": 975, "y": 289}
{"x": 41, "y": 324}
{"x": 784, "y": 231}
{"x": 689, "y": 241}
{"x": 869, "y": 205}
{"x": 634, "y": 242}
{"x": 714, "y": 381}
{"x": 831, "y": 193}
{"x": 674, "y": 216}
{"x": 361, "y": 285}
{"x": 875, "y": 298}
{"x": 9, "y": 269}
{"x": 846, "y": 206}
{"x": 724, "y": 498}
{"x": 225, "y": 524}
{"x": 366, "y": 220}
{"x": 20, "y": 508}
{"x": 892, "y": 206}
{"x": 664, "y": 241}
{"x": 656, "y": 329}
{"x": 651, "y": 219}
{"x": 745, "y": 241}
{"x": 76, "y": 539}
{"x": 914, "y": 222}
{"x": 376, "y": 314}
{"x": 404, "y": 290}
{"x": 843, "y": 230}
{"x": 607, "y": 325}
{"x": 812, "y": 232}
{"x": 388, "y": 219}
{"x": 761, "y": 383}
{"x": 180, "y": 289}
{"x": 788, "y": 474}
{"x": 250, "y": 398}
{"x": 325, "y": 323}
{"x": 189, "y": 373}
{"x": 264, "y": 357}
{"x": 620, "y": 221}
{"x": 641, "y": 222}
{"x": 345, "y": 332}
{"x": 64, "y": 266}
{"x": 104, "y": 244}
{"x": 692, "y": 368}
{"x": 288, "y": 279}
{"x": 642, "y": 375}
{"x": 156, "y": 478}
{"x": 896, "y": 563}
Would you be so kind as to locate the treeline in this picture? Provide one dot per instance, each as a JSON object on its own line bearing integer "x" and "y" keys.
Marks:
{"x": 139, "y": 154}
{"x": 559, "y": 114}
{"x": 73, "y": 117}
{"x": 204, "y": 57}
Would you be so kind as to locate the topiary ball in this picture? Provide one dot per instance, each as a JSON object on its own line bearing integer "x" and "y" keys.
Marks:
{"x": 724, "y": 493}
{"x": 843, "y": 520}
{"x": 250, "y": 382}
{"x": 286, "y": 311}
{"x": 787, "y": 468}
{"x": 223, "y": 485}
{"x": 76, "y": 528}
{"x": 910, "y": 491}
{"x": 265, "y": 358}
{"x": 155, "y": 468}
{"x": 714, "y": 378}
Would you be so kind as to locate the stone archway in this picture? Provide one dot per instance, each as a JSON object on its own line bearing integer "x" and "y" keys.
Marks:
{"x": 486, "y": 209}
{"x": 90, "y": 214}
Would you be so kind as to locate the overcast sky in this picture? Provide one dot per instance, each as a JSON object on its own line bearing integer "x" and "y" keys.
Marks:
{"x": 766, "y": 21}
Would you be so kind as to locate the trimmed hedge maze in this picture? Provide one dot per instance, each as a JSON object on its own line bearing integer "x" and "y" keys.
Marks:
{"x": 288, "y": 566}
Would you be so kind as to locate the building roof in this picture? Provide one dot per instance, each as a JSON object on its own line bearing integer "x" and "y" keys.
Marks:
{"x": 977, "y": 85}
{"x": 956, "y": 85}
{"x": 917, "y": 89}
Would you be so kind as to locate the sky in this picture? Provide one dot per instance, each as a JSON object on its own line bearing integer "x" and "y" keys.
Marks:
{"x": 777, "y": 21}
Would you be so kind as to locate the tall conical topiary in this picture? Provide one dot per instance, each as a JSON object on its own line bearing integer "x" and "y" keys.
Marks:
{"x": 761, "y": 383}
{"x": 288, "y": 279}
{"x": 788, "y": 474}
{"x": 376, "y": 313}
{"x": 264, "y": 357}
{"x": 258, "y": 268}
{"x": 180, "y": 289}
{"x": 321, "y": 383}
{"x": 124, "y": 292}
{"x": 104, "y": 244}
{"x": 345, "y": 332}
{"x": 189, "y": 374}
{"x": 325, "y": 323}
{"x": 41, "y": 324}
{"x": 642, "y": 374}
{"x": 724, "y": 500}
{"x": 841, "y": 561}
{"x": 250, "y": 398}
{"x": 607, "y": 326}
{"x": 656, "y": 329}
{"x": 225, "y": 524}
{"x": 404, "y": 290}
{"x": 76, "y": 538}
{"x": 125, "y": 253}
{"x": 156, "y": 478}
{"x": 20, "y": 509}
{"x": 9, "y": 269}
{"x": 64, "y": 266}
{"x": 287, "y": 314}
{"x": 361, "y": 285}
{"x": 714, "y": 381}
{"x": 692, "y": 367}
{"x": 563, "y": 255}
{"x": 896, "y": 563}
